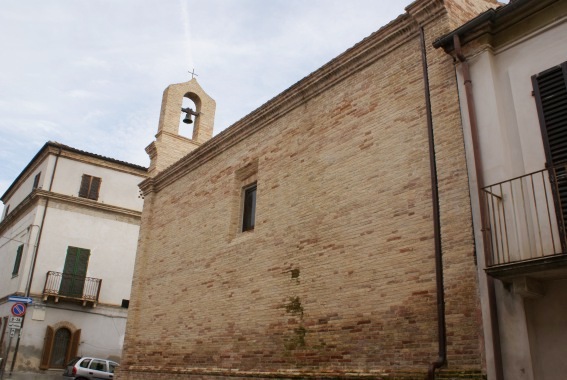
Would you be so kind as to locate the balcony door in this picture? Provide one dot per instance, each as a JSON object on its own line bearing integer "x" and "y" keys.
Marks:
{"x": 74, "y": 272}
{"x": 550, "y": 91}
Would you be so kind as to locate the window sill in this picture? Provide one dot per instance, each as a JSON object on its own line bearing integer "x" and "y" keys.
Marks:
{"x": 241, "y": 236}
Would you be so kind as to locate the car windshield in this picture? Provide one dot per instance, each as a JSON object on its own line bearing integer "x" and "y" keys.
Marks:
{"x": 72, "y": 362}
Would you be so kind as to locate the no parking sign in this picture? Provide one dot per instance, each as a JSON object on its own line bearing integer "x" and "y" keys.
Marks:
{"x": 18, "y": 309}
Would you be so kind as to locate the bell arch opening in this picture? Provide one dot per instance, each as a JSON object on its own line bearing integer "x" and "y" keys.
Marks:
{"x": 189, "y": 117}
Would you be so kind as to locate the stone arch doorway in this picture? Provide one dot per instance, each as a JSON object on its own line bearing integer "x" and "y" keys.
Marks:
{"x": 61, "y": 344}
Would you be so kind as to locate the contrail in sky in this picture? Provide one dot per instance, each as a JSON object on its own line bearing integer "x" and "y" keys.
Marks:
{"x": 187, "y": 32}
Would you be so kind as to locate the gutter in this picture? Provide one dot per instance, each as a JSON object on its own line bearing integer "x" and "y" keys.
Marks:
{"x": 441, "y": 327}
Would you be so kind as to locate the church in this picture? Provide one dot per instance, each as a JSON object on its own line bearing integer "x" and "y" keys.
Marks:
{"x": 326, "y": 235}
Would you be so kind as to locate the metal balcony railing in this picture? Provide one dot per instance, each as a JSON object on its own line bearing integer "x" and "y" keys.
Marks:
{"x": 526, "y": 217}
{"x": 69, "y": 286}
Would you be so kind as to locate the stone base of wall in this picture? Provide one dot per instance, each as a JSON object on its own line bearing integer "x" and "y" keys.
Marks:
{"x": 460, "y": 375}
{"x": 236, "y": 375}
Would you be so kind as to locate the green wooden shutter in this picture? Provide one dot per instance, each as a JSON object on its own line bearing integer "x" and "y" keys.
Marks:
{"x": 18, "y": 260}
{"x": 94, "y": 189}
{"x": 82, "y": 262}
{"x": 74, "y": 272}
{"x": 85, "y": 185}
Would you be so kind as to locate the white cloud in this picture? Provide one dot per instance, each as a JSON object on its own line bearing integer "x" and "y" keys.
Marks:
{"x": 81, "y": 94}
{"x": 93, "y": 62}
{"x": 91, "y": 73}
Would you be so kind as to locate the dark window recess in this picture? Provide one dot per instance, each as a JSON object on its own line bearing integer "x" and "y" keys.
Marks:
{"x": 18, "y": 260}
{"x": 36, "y": 180}
{"x": 125, "y": 303}
{"x": 90, "y": 187}
{"x": 7, "y": 211}
{"x": 550, "y": 91}
{"x": 249, "y": 209}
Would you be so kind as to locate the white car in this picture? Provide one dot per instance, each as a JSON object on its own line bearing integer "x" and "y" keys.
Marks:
{"x": 87, "y": 368}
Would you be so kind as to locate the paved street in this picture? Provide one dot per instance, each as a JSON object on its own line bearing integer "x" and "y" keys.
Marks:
{"x": 50, "y": 375}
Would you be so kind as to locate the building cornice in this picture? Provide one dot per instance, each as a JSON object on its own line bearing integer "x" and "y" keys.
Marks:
{"x": 38, "y": 195}
{"x": 89, "y": 203}
{"x": 424, "y": 11}
{"x": 17, "y": 212}
{"x": 369, "y": 50}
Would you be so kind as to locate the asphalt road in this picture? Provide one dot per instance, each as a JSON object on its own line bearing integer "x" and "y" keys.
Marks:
{"x": 51, "y": 375}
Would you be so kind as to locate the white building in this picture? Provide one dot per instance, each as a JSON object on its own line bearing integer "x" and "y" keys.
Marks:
{"x": 68, "y": 240}
{"x": 511, "y": 66}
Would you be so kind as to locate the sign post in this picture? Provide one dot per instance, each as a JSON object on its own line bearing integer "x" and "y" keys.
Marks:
{"x": 15, "y": 325}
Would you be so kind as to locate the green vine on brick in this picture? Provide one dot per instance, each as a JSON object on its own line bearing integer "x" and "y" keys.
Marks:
{"x": 294, "y": 306}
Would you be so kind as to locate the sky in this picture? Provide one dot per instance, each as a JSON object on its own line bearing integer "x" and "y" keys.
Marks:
{"x": 91, "y": 73}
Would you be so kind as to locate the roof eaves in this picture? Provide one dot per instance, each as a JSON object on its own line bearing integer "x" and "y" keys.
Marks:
{"x": 490, "y": 16}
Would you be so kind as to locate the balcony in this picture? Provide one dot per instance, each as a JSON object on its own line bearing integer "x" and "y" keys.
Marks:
{"x": 526, "y": 227}
{"x": 72, "y": 288}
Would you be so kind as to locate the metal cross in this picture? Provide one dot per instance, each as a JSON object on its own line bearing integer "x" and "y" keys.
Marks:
{"x": 193, "y": 75}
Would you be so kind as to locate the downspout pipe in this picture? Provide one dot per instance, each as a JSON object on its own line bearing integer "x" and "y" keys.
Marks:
{"x": 441, "y": 328}
{"x": 34, "y": 258}
{"x": 28, "y": 287}
{"x": 496, "y": 347}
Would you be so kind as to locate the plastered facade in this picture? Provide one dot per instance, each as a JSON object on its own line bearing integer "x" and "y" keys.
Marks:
{"x": 48, "y": 219}
{"x": 502, "y": 60}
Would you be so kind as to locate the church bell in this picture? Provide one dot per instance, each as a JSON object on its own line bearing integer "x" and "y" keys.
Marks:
{"x": 187, "y": 119}
{"x": 189, "y": 112}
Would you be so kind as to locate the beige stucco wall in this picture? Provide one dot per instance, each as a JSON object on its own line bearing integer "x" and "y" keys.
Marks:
{"x": 45, "y": 169}
{"x": 117, "y": 188}
{"x": 510, "y": 146}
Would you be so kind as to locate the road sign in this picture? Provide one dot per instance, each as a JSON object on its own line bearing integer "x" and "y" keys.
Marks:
{"x": 12, "y": 333}
{"x": 18, "y": 310}
{"x": 14, "y": 325}
{"x": 15, "y": 322}
{"x": 20, "y": 299}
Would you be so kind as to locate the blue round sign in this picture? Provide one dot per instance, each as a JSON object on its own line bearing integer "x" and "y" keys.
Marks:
{"x": 18, "y": 309}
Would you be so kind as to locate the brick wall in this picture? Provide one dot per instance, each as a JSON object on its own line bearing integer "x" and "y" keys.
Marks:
{"x": 338, "y": 277}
